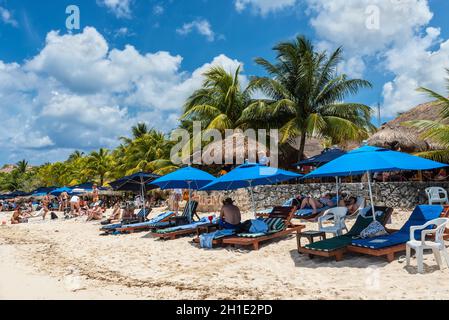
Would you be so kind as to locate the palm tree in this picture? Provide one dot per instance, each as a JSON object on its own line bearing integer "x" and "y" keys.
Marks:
{"x": 75, "y": 155}
{"x": 138, "y": 131}
{"x": 149, "y": 152}
{"x": 100, "y": 164}
{"x": 437, "y": 131}
{"x": 22, "y": 166}
{"x": 220, "y": 102}
{"x": 305, "y": 96}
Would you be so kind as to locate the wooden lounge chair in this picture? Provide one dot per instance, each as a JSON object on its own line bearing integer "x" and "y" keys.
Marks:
{"x": 145, "y": 226}
{"x": 138, "y": 218}
{"x": 254, "y": 240}
{"x": 186, "y": 217}
{"x": 176, "y": 232}
{"x": 336, "y": 247}
{"x": 396, "y": 242}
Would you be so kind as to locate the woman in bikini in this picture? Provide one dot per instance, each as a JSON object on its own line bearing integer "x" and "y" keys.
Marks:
{"x": 311, "y": 203}
{"x": 45, "y": 203}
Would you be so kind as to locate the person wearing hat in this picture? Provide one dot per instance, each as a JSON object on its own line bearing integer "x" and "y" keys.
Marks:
{"x": 230, "y": 216}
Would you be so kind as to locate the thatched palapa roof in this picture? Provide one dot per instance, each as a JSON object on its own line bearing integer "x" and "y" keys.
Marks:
{"x": 395, "y": 135}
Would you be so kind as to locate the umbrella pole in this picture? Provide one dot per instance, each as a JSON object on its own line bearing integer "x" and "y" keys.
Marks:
{"x": 371, "y": 195}
{"x": 338, "y": 196}
{"x": 252, "y": 198}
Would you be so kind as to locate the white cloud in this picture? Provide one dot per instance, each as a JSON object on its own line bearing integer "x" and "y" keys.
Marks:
{"x": 121, "y": 8}
{"x": 158, "y": 10}
{"x": 201, "y": 26}
{"x": 77, "y": 93}
{"x": 6, "y": 17}
{"x": 263, "y": 7}
{"x": 395, "y": 34}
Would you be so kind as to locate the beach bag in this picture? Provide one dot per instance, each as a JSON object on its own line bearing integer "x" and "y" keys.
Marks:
{"x": 258, "y": 226}
{"x": 53, "y": 216}
{"x": 375, "y": 229}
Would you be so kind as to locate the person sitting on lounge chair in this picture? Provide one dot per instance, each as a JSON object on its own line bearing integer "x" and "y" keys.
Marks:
{"x": 311, "y": 203}
{"x": 230, "y": 216}
{"x": 349, "y": 202}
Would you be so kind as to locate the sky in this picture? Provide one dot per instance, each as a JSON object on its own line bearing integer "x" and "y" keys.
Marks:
{"x": 64, "y": 89}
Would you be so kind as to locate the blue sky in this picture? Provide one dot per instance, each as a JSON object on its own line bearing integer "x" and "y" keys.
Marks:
{"x": 138, "y": 60}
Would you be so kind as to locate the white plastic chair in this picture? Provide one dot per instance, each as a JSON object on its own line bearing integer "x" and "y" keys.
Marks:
{"x": 437, "y": 195}
{"x": 338, "y": 215}
{"x": 437, "y": 246}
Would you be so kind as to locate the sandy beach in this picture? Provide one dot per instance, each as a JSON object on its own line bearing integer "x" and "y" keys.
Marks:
{"x": 70, "y": 260}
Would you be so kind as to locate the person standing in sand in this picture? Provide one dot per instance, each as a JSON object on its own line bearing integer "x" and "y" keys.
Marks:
{"x": 95, "y": 194}
{"x": 75, "y": 205}
{"x": 64, "y": 201}
{"x": 177, "y": 197}
{"x": 230, "y": 215}
{"x": 45, "y": 203}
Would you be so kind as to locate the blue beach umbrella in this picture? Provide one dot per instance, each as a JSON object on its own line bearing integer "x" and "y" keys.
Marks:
{"x": 323, "y": 158}
{"x": 135, "y": 183}
{"x": 185, "y": 178}
{"x": 370, "y": 160}
{"x": 57, "y": 192}
{"x": 250, "y": 175}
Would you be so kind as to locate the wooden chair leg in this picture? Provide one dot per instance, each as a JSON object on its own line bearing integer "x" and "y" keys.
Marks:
{"x": 390, "y": 257}
{"x": 338, "y": 256}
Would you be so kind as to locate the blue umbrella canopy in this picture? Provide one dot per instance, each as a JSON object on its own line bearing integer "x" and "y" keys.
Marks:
{"x": 325, "y": 157}
{"x": 57, "y": 192}
{"x": 185, "y": 178}
{"x": 373, "y": 159}
{"x": 251, "y": 175}
{"x": 134, "y": 182}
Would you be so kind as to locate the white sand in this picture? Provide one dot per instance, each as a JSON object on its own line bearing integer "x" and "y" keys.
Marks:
{"x": 69, "y": 260}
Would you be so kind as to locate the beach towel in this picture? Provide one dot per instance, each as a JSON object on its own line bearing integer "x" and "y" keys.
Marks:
{"x": 274, "y": 225}
{"x": 258, "y": 226}
{"x": 206, "y": 239}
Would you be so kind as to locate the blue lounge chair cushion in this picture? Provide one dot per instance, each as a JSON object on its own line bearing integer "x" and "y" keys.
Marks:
{"x": 421, "y": 215}
{"x": 153, "y": 221}
{"x": 305, "y": 213}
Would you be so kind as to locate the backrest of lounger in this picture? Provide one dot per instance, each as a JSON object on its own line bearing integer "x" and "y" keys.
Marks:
{"x": 363, "y": 222}
{"x": 421, "y": 215}
{"x": 285, "y": 213}
{"x": 190, "y": 210}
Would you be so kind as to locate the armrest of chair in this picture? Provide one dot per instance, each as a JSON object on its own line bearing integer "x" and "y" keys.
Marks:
{"x": 325, "y": 217}
{"x": 418, "y": 228}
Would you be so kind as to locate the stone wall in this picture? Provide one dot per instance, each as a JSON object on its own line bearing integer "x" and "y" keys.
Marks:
{"x": 403, "y": 195}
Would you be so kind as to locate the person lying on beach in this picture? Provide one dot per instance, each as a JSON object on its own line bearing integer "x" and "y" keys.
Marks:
{"x": 315, "y": 204}
{"x": 230, "y": 215}
{"x": 349, "y": 202}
